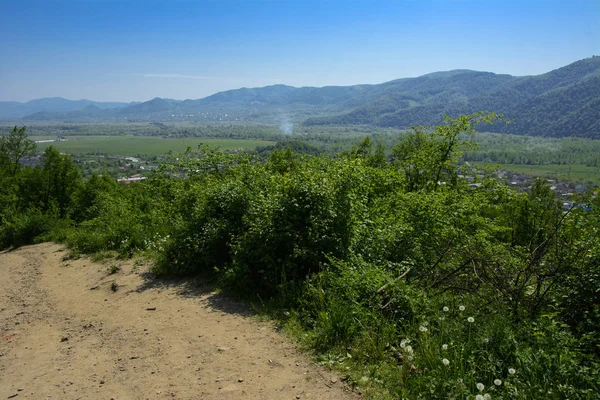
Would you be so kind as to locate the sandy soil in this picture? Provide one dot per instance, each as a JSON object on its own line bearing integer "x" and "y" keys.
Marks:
{"x": 69, "y": 330}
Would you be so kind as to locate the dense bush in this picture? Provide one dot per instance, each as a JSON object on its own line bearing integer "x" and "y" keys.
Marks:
{"x": 395, "y": 271}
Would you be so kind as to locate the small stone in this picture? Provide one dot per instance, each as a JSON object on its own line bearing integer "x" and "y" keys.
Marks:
{"x": 150, "y": 308}
{"x": 222, "y": 349}
{"x": 64, "y": 339}
{"x": 102, "y": 381}
{"x": 333, "y": 380}
{"x": 134, "y": 357}
{"x": 240, "y": 380}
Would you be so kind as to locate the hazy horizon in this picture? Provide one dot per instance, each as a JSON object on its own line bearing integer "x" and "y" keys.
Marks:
{"x": 127, "y": 51}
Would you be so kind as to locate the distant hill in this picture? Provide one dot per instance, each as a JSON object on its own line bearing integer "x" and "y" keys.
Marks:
{"x": 13, "y": 109}
{"x": 562, "y": 102}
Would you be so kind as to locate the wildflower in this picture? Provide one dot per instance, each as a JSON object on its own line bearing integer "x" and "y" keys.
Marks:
{"x": 422, "y": 328}
{"x": 487, "y": 396}
{"x": 480, "y": 386}
{"x": 446, "y": 309}
{"x": 445, "y": 361}
{"x": 479, "y": 397}
{"x": 512, "y": 371}
{"x": 461, "y": 308}
{"x": 403, "y": 343}
{"x": 471, "y": 319}
{"x": 444, "y": 346}
{"x": 497, "y": 382}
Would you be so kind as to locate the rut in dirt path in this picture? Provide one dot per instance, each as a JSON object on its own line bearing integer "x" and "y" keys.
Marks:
{"x": 69, "y": 330}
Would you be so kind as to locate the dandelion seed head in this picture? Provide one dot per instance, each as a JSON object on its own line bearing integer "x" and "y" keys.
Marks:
{"x": 461, "y": 308}
{"x": 512, "y": 371}
{"x": 479, "y": 397}
{"x": 480, "y": 386}
{"x": 497, "y": 382}
{"x": 471, "y": 319}
{"x": 444, "y": 346}
{"x": 446, "y": 309}
{"x": 422, "y": 328}
{"x": 487, "y": 396}
{"x": 445, "y": 361}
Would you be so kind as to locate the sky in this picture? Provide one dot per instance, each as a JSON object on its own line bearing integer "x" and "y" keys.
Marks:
{"x": 111, "y": 50}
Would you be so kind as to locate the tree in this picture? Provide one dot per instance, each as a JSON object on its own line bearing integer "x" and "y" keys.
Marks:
{"x": 61, "y": 180}
{"x": 429, "y": 155}
{"x": 15, "y": 146}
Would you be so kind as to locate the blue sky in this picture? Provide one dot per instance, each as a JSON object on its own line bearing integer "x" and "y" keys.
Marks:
{"x": 112, "y": 50}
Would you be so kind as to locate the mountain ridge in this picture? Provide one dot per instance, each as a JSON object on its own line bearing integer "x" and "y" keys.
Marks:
{"x": 15, "y": 109}
{"x": 561, "y": 102}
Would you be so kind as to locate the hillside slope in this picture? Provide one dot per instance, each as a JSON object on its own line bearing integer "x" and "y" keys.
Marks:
{"x": 563, "y": 102}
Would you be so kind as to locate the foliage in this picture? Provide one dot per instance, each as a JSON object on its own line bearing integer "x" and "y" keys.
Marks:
{"x": 393, "y": 269}
{"x": 14, "y": 147}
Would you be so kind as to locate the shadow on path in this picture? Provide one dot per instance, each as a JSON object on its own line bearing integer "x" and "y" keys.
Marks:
{"x": 195, "y": 288}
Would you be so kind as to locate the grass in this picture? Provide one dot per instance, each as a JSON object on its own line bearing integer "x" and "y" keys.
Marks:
{"x": 143, "y": 145}
{"x": 570, "y": 173}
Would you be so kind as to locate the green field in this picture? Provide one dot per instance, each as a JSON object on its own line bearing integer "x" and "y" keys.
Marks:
{"x": 570, "y": 173}
{"x": 143, "y": 145}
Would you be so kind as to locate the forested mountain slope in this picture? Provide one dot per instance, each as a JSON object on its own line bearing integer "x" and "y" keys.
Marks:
{"x": 563, "y": 102}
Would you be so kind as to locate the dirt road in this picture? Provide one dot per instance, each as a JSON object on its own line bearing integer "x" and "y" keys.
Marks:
{"x": 70, "y": 330}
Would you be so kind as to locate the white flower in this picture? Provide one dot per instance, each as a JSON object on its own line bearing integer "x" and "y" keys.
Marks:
{"x": 480, "y": 386}
{"x": 445, "y": 361}
{"x": 461, "y": 308}
{"x": 422, "y": 328}
{"x": 479, "y": 397}
{"x": 471, "y": 319}
{"x": 404, "y": 342}
{"x": 444, "y": 346}
{"x": 487, "y": 397}
{"x": 446, "y": 309}
{"x": 409, "y": 353}
{"x": 497, "y": 382}
{"x": 512, "y": 371}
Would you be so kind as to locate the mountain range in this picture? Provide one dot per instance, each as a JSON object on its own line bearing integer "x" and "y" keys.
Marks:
{"x": 562, "y": 102}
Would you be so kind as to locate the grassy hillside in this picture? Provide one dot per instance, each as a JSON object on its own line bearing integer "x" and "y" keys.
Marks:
{"x": 412, "y": 288}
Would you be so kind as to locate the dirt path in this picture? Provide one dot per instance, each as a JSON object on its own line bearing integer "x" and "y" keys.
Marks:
{"x": 69, "y": 330}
